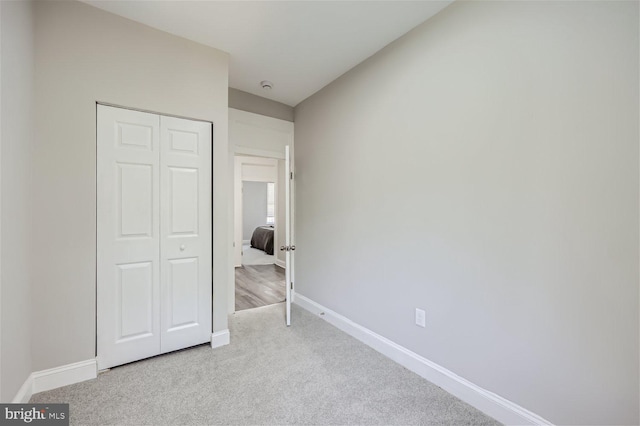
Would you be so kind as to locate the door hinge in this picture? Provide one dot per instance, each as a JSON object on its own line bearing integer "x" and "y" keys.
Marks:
{"x": 291, "y": 175}
{"x": 291, "y": 285}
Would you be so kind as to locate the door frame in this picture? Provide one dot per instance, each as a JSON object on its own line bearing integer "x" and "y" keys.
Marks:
{"x": 245, "y": 139}
{"x": 109, "y": 104}
{"x": 237, "y": 204}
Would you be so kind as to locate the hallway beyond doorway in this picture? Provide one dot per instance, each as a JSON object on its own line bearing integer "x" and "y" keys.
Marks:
{"x": 259, "y": 285}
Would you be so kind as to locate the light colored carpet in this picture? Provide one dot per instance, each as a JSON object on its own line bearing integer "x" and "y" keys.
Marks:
{"x": 253, "y": 256}
{"x": 309, "y": 373}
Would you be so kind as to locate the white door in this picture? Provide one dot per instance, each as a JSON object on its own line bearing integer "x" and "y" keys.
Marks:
{"x": 153, "y": 235}
{"x": 289, "y": 245}
{"x": 185, "y": 246}
{"x": 128, "y": 236}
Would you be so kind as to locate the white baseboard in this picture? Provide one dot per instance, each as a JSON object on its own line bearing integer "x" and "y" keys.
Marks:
{"x": 280, "y": 263}
{"x": 488, "y": 402}
{"x": 246, "y": 242}
{"x": 220, "y": 338}
{"x": 65, "y": 375}
{"x": 40, "y": 381}
{"x": 25, "y": 392}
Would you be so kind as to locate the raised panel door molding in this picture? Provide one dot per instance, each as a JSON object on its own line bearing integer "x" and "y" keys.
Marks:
{"x": 153, "y": 234}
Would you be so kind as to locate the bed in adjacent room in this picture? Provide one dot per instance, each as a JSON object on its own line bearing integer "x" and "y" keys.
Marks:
{"x": 262, "y": 239}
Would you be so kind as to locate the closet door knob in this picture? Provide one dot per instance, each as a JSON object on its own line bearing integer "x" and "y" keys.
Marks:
{"x": 281, "y": 248}
{"x": 182, "y": 247}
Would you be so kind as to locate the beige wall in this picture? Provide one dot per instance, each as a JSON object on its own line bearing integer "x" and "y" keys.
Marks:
{"x": 258, "y": 105}
{"x": 485, "y": 168}
{"x": 84, "y": 55}
{"x": 254, "y": 207}
{"x": 16, "y": 140}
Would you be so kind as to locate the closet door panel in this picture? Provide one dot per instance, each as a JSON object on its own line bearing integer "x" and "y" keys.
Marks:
{"x": 183, "y": 201}
{"x": 185, "y": 175}
{"x": 128, "y": 236}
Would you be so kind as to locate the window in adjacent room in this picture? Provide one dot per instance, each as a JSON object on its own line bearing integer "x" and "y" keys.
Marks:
{"x": 271, "y": 203}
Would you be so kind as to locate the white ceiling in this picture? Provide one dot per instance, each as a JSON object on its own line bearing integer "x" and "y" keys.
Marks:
{"x": 300, "y": 46}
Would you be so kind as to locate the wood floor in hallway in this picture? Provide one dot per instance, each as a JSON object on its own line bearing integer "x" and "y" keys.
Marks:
{"x": 259, "y": 285}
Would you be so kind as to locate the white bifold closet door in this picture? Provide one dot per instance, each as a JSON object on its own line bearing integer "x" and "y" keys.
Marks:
{"x": 153, "y": 234}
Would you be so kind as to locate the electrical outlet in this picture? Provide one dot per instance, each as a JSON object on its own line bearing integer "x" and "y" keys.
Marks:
{"x": 421, "y": 318}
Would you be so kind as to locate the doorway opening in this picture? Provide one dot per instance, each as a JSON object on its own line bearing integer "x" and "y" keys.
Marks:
{"x": 260, "y": 143}
{"x": 259, "y": 267}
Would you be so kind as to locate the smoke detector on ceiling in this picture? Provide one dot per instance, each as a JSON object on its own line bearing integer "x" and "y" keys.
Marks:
{"x": 266, "y": 84}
